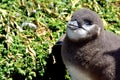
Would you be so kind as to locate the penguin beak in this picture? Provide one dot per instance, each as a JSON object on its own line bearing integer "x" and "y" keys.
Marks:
{"x": 73, "y": 25}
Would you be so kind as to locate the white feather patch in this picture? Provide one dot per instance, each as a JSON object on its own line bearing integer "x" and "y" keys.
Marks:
{"x": 80, "y": 32}
{"x": 78, "y": 74}
{"x": 88, "y": 27}
{"x": 76, "y": 34}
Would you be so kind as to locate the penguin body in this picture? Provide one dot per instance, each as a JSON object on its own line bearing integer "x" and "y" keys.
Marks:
{"x": 88, "y": 51}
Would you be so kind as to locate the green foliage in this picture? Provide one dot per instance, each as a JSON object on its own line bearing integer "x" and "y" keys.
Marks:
{"x": 23, "y": 51}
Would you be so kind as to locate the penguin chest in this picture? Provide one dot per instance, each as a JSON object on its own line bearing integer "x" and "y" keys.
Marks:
{"x": 78, "y": 73}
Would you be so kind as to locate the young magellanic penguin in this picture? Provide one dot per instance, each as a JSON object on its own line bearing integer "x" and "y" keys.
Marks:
{"x": 88, "y": 51}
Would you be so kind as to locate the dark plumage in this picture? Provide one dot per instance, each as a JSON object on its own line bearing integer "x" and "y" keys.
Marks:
{"x": 88, "y": 51}
{"x": 54, "y": 62}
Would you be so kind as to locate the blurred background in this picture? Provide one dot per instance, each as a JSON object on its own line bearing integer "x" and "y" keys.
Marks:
{"x": 29, "y": 30}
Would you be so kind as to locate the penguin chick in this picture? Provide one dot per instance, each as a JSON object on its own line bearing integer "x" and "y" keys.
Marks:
{"x": 88, "y": 51}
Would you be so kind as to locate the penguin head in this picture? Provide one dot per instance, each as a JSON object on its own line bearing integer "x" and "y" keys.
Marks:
{"x": 84, "y": 25}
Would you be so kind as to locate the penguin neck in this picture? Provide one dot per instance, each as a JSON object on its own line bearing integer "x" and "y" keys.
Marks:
{"x": 95, "y": 40}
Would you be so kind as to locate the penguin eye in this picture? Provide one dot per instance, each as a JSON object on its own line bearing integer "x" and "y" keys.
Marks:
{"x": 87, "y": 22}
